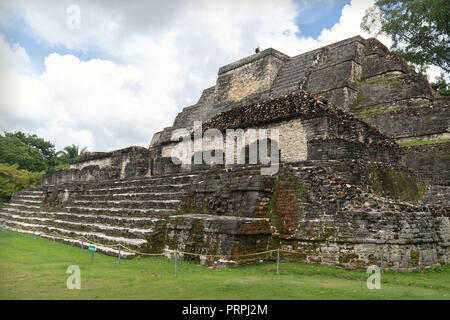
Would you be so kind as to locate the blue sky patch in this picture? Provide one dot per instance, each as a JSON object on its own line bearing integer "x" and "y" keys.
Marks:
{"x": 17, "y": 30}
{"x": 320, "y": 15}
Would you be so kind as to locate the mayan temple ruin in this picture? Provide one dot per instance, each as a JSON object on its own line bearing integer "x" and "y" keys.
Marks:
{"x": 342, "y": 187}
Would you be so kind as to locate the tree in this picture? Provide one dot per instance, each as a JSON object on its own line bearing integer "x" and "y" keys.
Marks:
{"x": 14, "y": 151}
{"x": 419, "y": 29}
{"x": 45, "y": 147}
{"x": 70, "y": 153}
{"x": 13, "y": 179}
{"x": 441, "y": 86}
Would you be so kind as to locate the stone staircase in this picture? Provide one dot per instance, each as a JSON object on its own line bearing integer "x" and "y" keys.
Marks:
{"x": 126, "y": 212}
{"x": 437, "y": 194}
{"x": 293, "y": 72}
{"x": 134, "y": 213}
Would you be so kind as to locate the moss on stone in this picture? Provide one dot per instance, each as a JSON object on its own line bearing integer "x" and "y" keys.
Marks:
{"x": 366, "y": 114}
{"x": 302, "y": 189}
{"x": 422, "y": 142}
{"x": 346, "y": 258}
{"x": 381, "y": 80}
{"x": 414, "y": 258}
{"x": 397, "y": 184}
{"x": 359, "y": 98}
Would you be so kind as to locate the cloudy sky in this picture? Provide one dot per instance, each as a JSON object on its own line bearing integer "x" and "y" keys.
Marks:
{"x": 124, "y": 69}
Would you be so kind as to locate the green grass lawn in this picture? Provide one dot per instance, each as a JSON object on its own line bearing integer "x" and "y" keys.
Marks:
{"x": 33, "y": 269}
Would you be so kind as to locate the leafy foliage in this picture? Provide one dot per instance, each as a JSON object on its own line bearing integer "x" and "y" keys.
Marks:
{"x": 14, "y": 151}
{"x": 70, "y": 153}
{"x": 441, "y": 86}
{"x": 419, "y": 29}
{"x": 13, "y": 179}
{"x": 25, "y": 158}
{"x": 45, "y": 147}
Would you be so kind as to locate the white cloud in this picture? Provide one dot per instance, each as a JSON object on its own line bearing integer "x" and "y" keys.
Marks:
{"x": 163, "y": 55}
{"x": 348, "y": 26}
{"x": 92, "y": 103}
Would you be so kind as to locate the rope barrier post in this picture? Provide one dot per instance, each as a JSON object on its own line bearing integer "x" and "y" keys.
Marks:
{"x": 92, "y": 256}
{"x": 53, "y": 240}
{"x": 118, "y": 261}
{"x": 176, "y": 263}
{"x": 278, "y": 261}
{"x": 32, "y": 238}
{"x": 381, "y": 260}
{"x": 82, "y": 243}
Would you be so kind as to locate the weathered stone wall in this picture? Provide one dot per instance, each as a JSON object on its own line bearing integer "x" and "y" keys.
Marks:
{"x": 214, "y": 235}
{"x": 308, "y": 128}
{"x": 120, "y": 164}
{"x": 331, "y": 71}
{"x": 338, "y": 198}
{"x": 331, "y": 212}
{"x": 419, "y": 122}
{"x": 432, "y": 161}
{"x": 386, "y": 80}
{"x": 292, "y": 74}
{"x": 426, "y": 122}
{"x": 291, "y": 138}
{"x": 101, "y": 163}
{"x": 248, "y": 76}
{"x": 358, "y": 75}
{"x": 333, "y": 222}
{"x": 231, "y": 193}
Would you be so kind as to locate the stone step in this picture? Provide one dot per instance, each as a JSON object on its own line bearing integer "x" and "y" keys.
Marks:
{"x": 161, "y": 184}
{"x": 20, "y": 206}
{"x": 132, "y": 196}
{"x": 25, "y": 197}
{"x": 437, "y": 195}
{"x": 133, "y": 233}
{"x": 101, "y": 238}
{"x": 289, "y": 76}
{"x": 286, "y": 85}
{"x": 105, "y": 250}
{"x": 28, "y": 192}
{"x": 123, "y": 221}
{"x": 139, "y": 189}
{"x": 287, "y": 82}
{"x": 27, "y": 202}
{"x": 293, "y": 67}
{"x": 283, "y": 90}
{"x": 120, "y": 211}
{"x": 174, "y": 180}
{"x": 131, "y": 204}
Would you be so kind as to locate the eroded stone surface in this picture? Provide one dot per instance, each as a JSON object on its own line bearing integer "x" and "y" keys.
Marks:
{"x": 343, "y": 192}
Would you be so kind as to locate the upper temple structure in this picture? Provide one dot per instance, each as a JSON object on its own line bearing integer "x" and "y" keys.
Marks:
{"x": 358, "y": 147}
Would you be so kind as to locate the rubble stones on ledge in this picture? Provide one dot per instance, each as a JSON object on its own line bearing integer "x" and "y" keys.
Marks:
{"x": 299, "y": 104}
